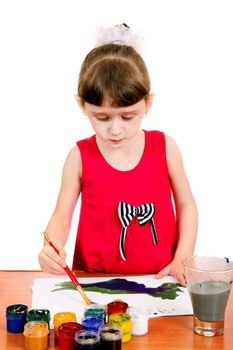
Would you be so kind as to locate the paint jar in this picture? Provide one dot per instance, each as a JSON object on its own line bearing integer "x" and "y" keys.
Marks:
{"x": 139, "y": 321}
{"x": 116, "y": 307}
{"x": 62, "y": 317}
{"x": 92, "y": 323}
{"x": 36, "y": 335}
{"x": 66, "y": 335}
{"x": 122, "y": 320}
{"x": 110, "y": 337}
{"x": 87, "y": 340}
{"x": 95, "y": 310}
{"x": 39, "y": 315}
{"x": 16, "y": 317}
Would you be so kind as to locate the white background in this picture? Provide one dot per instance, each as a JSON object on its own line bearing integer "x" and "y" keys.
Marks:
{"x": 189, "y": 54}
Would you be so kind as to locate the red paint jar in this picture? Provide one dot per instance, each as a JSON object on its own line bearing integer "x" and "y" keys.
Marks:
{"x": 66, "y": 335}
{"x": 116, "y": 307}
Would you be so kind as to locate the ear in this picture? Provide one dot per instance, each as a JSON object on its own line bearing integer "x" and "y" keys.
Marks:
{"x": 149, "y": 102}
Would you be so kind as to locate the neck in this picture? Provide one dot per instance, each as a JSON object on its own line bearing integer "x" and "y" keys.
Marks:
{"x": 124, "y": 158}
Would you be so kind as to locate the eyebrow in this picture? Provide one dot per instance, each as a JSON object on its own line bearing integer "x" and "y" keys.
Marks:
{"x": 107, "y": 114}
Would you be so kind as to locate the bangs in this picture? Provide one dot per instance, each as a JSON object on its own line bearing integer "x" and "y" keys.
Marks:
{"x": 118, "y": 79}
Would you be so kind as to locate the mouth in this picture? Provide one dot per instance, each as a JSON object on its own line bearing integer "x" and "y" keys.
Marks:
{"x": 116, "y": 141}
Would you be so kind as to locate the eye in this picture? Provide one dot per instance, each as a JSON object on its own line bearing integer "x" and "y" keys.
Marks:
{"x": 102, "y": 118}
{"x": 128, "y": 117}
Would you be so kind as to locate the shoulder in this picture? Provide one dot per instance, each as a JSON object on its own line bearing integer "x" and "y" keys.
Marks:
{"x": 73, "y": 154}
{"x": 170, "y": 143}
{"x": 173, "y": 153}
{"x": 73, "y": 162}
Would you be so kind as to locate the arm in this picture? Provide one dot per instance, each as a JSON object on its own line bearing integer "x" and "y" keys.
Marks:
{"x": 58, "y": 227}
{"x": 186, "y": 211}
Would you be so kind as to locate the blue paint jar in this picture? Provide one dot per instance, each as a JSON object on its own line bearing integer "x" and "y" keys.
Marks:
{"x": 16, "y": 317}
{"x": 92, "y": 323}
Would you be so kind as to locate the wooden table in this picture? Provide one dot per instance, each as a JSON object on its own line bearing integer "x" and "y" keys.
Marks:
{"x": 173, "y": 333}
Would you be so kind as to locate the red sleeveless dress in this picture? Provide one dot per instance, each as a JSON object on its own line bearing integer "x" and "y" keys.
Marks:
{"x": 101, "y": 244}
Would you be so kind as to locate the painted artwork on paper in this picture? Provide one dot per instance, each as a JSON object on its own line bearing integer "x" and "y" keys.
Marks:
{"x": 157, "y": 297}
{"x": 169, "y": 290}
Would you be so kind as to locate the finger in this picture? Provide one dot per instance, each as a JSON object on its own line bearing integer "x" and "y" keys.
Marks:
{"x": 60, "y": 250}
{"x": 51, "y": 254}
{"x": 163, "y": 273}
{"x": 50, "y": 266}
{"x": 179, "y": 275}
{"x": 182, "y": 279}
{"x": 62, "y": 253}
{"x": 51, "y": 262}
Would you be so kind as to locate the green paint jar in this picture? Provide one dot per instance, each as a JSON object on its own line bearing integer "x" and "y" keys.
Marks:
{"x": 39, "y": 315}
{"x": 95, "y": 310}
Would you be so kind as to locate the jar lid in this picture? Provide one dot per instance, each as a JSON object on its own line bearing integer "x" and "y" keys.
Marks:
{"x": 36, "y": 328}
{"x": 39, "y": 314}
{"x": 110, "y": 333}
{"x": 137, "y": 313}
{"x": 69, "y": 328}
{"x": 92, "y": 322}
{"x": 119, "y": 318}
{"x": 94, "y": 306}
{"x": 117, "y": 305}
{"x": 16, "y": 311}
{"x": 87, "y": 338}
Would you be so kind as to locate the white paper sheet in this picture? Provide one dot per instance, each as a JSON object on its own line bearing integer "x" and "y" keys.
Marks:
{"x": 44, "y": 297}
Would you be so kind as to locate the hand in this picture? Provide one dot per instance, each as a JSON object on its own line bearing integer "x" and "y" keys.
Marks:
{"x": 175, "y": 268}
{"x": 51, "y": 262}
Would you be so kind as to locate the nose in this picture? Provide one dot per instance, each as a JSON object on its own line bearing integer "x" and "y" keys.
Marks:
{"x": 115, "y": 126}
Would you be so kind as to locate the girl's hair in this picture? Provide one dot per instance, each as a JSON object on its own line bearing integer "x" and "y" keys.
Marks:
{"x": 115, "y": 71}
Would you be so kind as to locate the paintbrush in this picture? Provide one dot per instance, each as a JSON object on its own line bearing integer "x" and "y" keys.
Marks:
{"x": 69, "y": 272}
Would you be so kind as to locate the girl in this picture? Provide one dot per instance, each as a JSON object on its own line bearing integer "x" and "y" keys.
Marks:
{"x": 138, "y": 214}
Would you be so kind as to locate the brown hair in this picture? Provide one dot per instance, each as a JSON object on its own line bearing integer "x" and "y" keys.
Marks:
{"x": 115, "y": 71}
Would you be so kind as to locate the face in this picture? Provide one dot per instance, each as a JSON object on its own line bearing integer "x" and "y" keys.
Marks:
{"x": 116, "y": 126}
